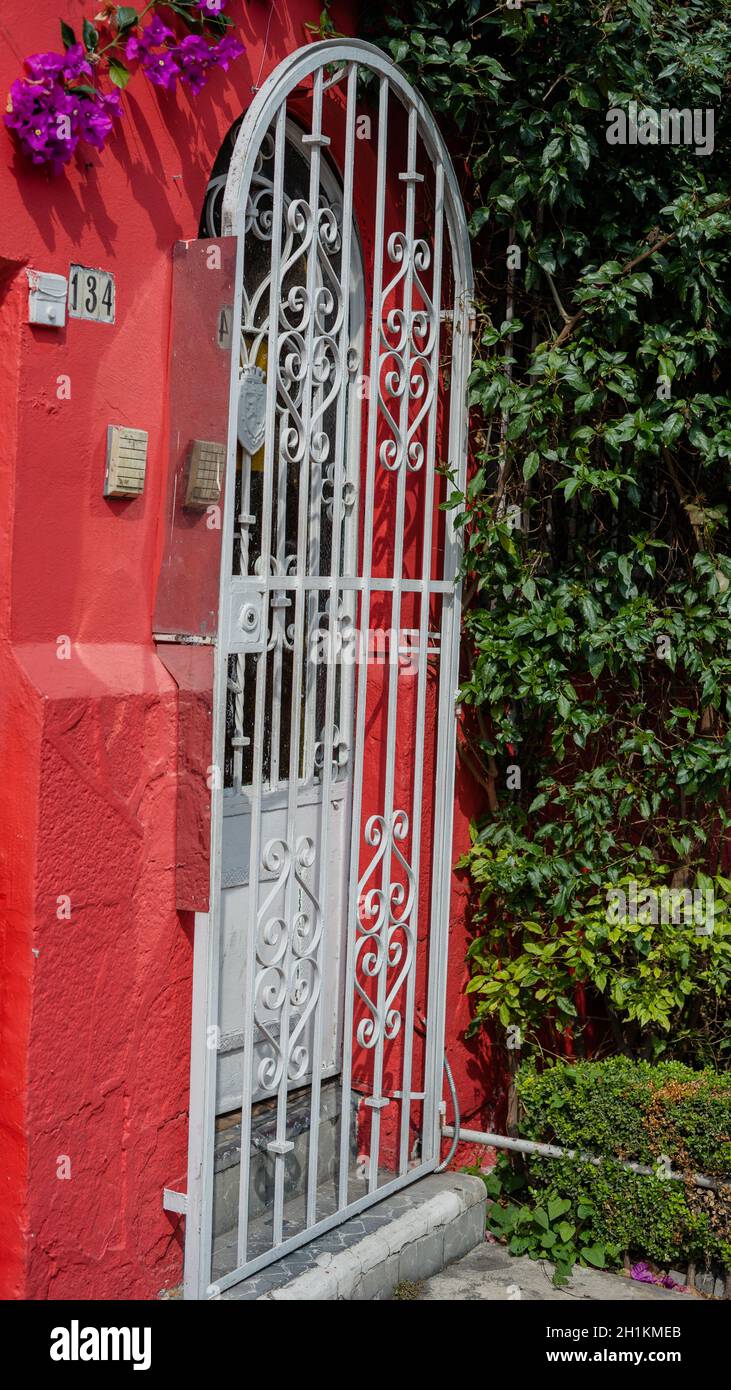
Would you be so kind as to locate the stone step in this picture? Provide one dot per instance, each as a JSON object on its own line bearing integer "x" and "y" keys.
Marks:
{"x": 404, "y": 1239}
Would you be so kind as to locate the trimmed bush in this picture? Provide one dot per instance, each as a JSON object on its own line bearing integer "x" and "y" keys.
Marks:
{"x": 632, "y": 1110}
{"x": 665, "y": 1116}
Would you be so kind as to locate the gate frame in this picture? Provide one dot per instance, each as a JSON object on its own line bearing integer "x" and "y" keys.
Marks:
{"x": 279, "y": 85}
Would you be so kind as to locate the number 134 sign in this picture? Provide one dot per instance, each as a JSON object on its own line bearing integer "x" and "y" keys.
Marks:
{"x": 91, "y": 294}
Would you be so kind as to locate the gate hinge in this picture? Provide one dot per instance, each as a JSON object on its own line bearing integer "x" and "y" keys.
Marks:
{"x": 174, "y": 1201}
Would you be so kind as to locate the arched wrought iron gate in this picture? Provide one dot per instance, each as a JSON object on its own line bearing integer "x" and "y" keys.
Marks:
{"x": 320, "y": 967}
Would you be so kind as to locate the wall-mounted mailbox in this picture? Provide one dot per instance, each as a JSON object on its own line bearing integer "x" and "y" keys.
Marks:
{"x": 205, "y": 474}
{"x": 126, "y": 461}
{"x": 46, "y": 299}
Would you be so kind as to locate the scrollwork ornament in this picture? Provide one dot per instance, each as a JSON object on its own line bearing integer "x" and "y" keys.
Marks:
{"x": 385, "y": 939}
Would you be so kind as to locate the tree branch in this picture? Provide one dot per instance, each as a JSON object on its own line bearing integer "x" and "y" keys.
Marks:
{"x": 628, "y": 267}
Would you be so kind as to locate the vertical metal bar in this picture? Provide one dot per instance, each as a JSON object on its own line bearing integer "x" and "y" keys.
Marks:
{"x": 359, "y": 741}
{"x": 300, "y": 608}
{"x": 447, "y": 716}
{"x": 332, "y": 610}
{"x": 250, "y": 970}
{"x": 196, "y": 1274}
{"x": 244, "y": 515}
{"x": 203, "y": 1073}
{"x": 312, "y": 567}
{"x": 394, "y": 663}
{"x": 420, "y": 751}
{"x": 239, "y": 694}
{"x": 275, "y": 697}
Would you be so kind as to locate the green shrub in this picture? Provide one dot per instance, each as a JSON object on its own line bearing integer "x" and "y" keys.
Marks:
{"x": 631, "y": 1110}
{"x": 659, "y": 1219}
{"x": 663, "y": 985}
{"x": 665, "y": 1116}
{"x": 541, "y": 1221}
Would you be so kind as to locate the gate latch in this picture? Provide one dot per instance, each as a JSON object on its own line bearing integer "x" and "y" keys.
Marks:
{"x": 247, "y": 627}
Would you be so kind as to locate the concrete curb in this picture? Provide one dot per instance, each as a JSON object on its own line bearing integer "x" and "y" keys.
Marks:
{"x": 444, "y": 1226}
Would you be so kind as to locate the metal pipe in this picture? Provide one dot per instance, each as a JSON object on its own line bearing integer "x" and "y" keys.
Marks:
{"x": 455, "y": 1129}
{"x": 531, "y": 1146}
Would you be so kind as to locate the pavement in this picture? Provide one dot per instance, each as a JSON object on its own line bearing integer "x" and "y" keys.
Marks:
{"x": 489, "y": 1274}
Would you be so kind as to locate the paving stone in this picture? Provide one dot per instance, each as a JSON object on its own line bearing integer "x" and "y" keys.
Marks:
{"x": 378, "y": 1216}
{"x": 355, "y": 1224}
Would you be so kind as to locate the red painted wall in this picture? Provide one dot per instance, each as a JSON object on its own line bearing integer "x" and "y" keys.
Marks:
{"x": 95, "y": 1006}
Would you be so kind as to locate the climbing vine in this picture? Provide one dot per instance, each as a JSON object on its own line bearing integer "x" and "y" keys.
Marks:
{"x": 591, "y": 139}
{"x": 75, "y": 95}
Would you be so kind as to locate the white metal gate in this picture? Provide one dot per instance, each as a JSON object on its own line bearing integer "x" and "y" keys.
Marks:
{"x": 320, "y": 968}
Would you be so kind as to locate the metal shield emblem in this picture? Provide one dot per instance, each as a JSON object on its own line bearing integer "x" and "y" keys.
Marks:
{"x": 252, "y": 409}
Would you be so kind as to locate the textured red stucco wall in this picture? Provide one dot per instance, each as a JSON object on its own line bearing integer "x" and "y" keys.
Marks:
{"x": 95, "y": 1005}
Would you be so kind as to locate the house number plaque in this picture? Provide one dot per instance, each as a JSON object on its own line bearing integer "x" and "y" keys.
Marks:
{"x": 92, "y": 294}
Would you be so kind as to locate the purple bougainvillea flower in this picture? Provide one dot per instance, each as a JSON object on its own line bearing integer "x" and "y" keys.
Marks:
{"x": 75, "y": 65}
{"x": 158, "y": 62}
{"x": 45, "y": 67}
{"x": 113, "y": 103}
{"x": 21, "y": 104}
{"x": 227, "y": 50}
{"x": 95, "y": 124}
{"x": 50, "y": 119}
{"x": 49, "y": 67}
{"x": 37, "y": 134}
{"x": 133, "y": 48}
{"x": 93, "y": 116}
{"x": 161, "y": 67}
{"x": 49, "y": 114}
{"x": 152, "y": 36}
{"x": 644, "y": 1275}
{"x": 40, "y": 115}
{"x": 194, "y": 59}
{"x": 155, "y": 33}
{"x": 668, "y": 1283}
{"x": 95, "y": 120}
